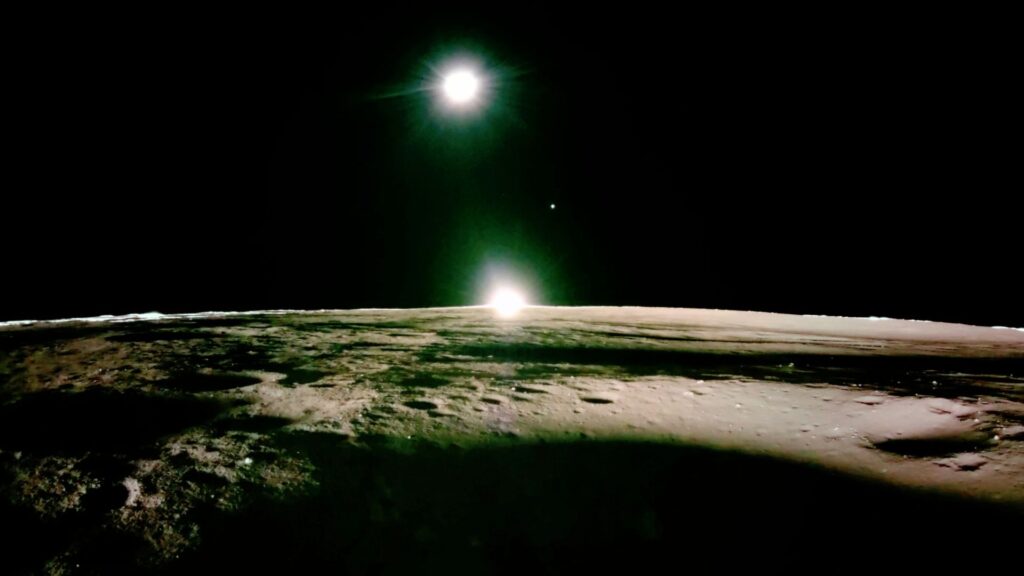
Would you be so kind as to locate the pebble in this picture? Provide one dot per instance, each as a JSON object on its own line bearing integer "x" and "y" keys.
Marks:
{"x": 963, "y": 462}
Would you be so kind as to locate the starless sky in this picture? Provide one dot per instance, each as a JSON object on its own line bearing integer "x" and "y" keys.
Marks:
{"x": 852, "y": 164}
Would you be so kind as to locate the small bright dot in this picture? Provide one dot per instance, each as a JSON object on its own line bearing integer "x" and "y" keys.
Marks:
{"x": 461, "y": 86}
{"x": 507, "y": 302}
{"x": 552, "y": 206}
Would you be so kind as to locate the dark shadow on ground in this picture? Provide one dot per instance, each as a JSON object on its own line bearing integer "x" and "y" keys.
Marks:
{"x": 936, "y": 446}
{"x": 295, "y": 375}
{"x": 103, "y": 432}
{"x": 259, "y": 423}
{"x": 392, "y": 506}
{"x": 206, "y": 382}
{"x": 584, "y": 506}
{"x": 59, "y": 422}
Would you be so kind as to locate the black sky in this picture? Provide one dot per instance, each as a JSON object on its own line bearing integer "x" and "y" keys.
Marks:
{"x": 854, "y": 164}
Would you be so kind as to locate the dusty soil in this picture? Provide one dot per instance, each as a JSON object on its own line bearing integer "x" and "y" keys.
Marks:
{"x": 391, "y": 441}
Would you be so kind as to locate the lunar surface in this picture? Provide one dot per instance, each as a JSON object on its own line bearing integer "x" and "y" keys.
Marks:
{"x": 558, "y": 440}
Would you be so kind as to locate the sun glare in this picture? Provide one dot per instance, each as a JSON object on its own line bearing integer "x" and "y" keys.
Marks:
{"x": 461, "y": 87}
{"x": 507, "y": 302}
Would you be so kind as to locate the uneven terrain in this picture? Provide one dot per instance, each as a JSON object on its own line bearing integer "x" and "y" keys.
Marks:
{"x": 392, "y": 441}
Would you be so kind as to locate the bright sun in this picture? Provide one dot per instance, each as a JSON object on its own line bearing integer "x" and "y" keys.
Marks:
{"x": 507, "y": 302}
{"x": 461, "y": 86}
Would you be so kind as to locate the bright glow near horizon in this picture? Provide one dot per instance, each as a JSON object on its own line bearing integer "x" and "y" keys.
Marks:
{"x": 507, "y": 302}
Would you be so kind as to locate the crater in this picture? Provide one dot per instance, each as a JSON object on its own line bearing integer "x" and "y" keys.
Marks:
{"x": 207, "y": 382}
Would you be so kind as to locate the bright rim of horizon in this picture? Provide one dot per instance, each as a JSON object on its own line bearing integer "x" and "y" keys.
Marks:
{"x": 507, "y": 302}
{"x": 513, "y": 304}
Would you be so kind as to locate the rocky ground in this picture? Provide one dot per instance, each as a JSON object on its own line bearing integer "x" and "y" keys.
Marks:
{"x": 387, "y": 441}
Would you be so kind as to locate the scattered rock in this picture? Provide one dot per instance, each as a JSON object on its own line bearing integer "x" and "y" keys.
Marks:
{"x": 134, "y": 492}
{"x": 836, "y": 433}
{"x": 1012, "y": 433}
{"x": 946, "y": 406}
{"x": 964, "y": 462}
{"x": 920, "y": 427}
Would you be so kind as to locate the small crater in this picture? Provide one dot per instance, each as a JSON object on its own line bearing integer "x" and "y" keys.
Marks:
{"x": 357, "y": 344}
{"x": 251, "y": 424}
{"x": 295, "y": 376}
{"x": 928, "y": 447}
{"x": 421, "y": 405}
{"x": 596, "y": 400}
{"x": 203, "y": 478}
{"x": 423, "y": 381}
{"x": 207, "y": 382}
{"x": 109, "y": 496}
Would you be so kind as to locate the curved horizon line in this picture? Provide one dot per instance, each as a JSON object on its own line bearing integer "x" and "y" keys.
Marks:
{"x": 152, "y": 316}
